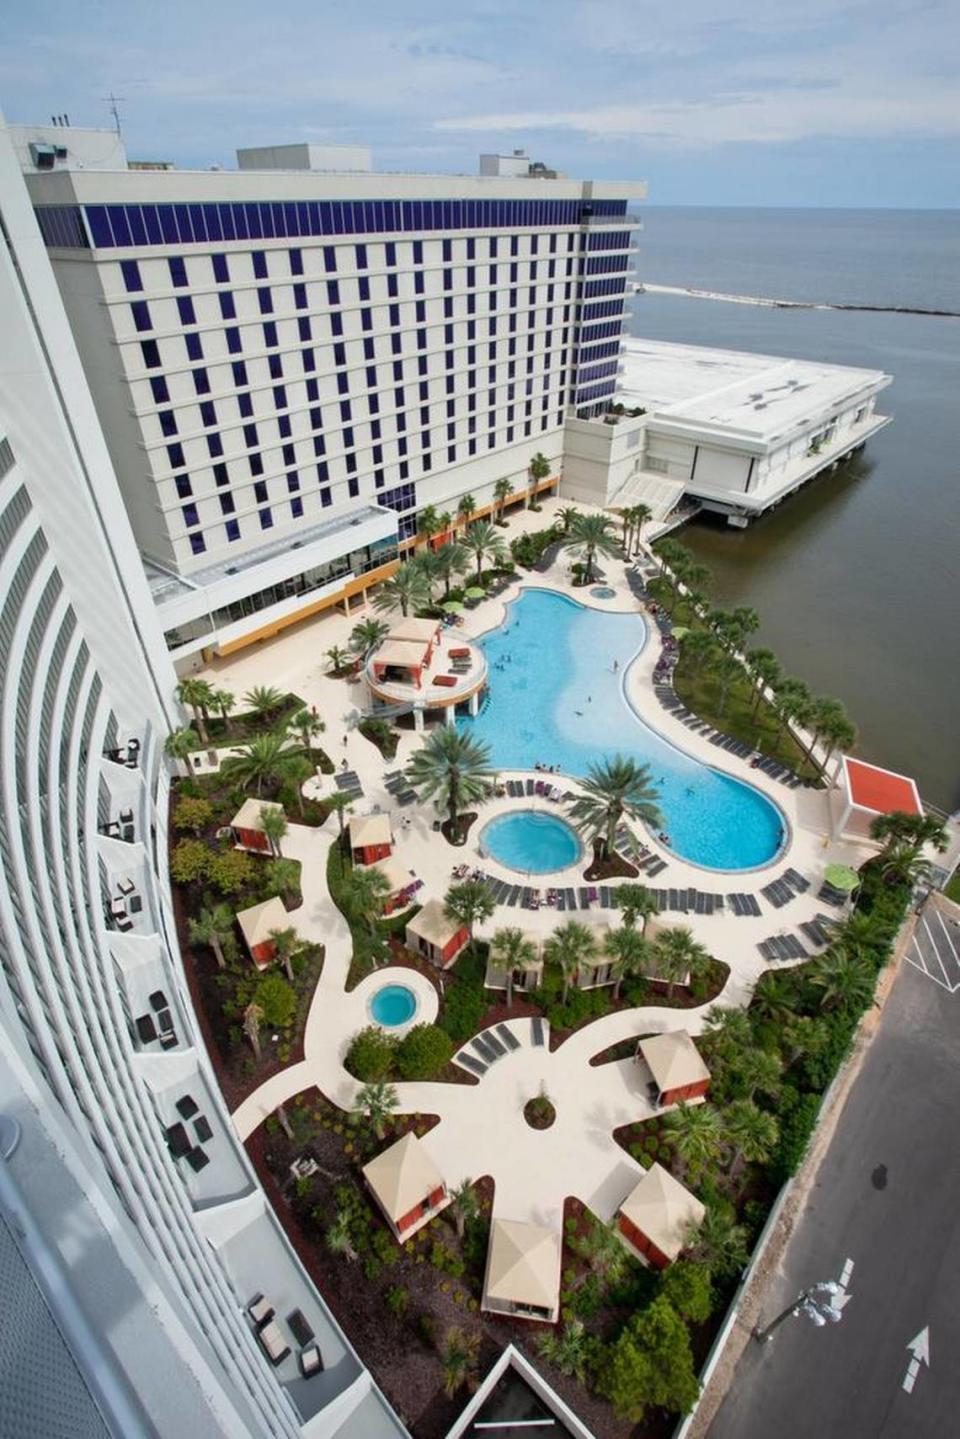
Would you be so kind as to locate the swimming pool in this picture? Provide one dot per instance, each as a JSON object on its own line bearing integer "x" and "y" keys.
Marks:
{"x": 530, "y": 841}
{"x": 556, "y": 697}
{"x": 392, "y": 1005}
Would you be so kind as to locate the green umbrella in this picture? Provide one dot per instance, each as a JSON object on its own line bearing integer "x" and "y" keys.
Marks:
{"x": 452, "y": 607}
{"x": 841, "y": 877}
{"x": 680, "y": 632}
{"x": 475, "y": 592}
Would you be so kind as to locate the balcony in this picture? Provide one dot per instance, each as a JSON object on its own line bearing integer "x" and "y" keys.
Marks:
{"x": 612, "y": 222}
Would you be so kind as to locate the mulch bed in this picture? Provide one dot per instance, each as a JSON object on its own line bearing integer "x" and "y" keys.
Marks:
{"x": 458, "y": 835}
{"x": 613, "y": 867}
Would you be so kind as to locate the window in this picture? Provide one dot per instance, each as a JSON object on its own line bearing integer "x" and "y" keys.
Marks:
{"x": 309, "y": 360}
{"x": 190, "y": 516}
{"x": 393, "y": 289}
{"x": 353, "y": 487}
{"x": 194, "y": 347}
{"x": 227, "y": 505}
{"x": 256, "y": 465}
{"x": 151, "y": 353}
{"x": 141, "y": 315}
{"x": 234, "y": 343}
{"x": 418, "y": 252}
{"x": 228, "y": 308}
{"x": 208, "y": 412}
{"x": 220, "y": 474}
{"x": 178, "y": 270}
{"x": 275, "y": 364}
{"x": 184, "y": 487}
{"x": 296, "y": 508}
{"x": 368, "y": 350}
{"x": 421, "y": 312}
{"x": 175, "y": 456}
{"x": 250, "y": 434}
{"x": 323, "y": 472}
{"x": 447, "y": 251}
{"x": 245, "y": 406}
{"x": 333, "y": 292}
{"x": 345, "y": 413}
{"x": 330, "y": 259}
{"x": 266, "y": 519}
{"x": 270, "y": 334}
{"x": 343, "y": 383}
{"x": 363, "y": 288}
{"x": 289, "y": 455}
{"x": 313, "y": 391}
{"x": 185, "y": 306}
{"x": 130, "y": 271}
{"x": 266, "y": 301}
{"x": 214, "y": 446}
{"x": 293, "y": 481}
{"x": 221, "y": 269}
{"x": 280, "y": 403}
{"x": 300, "y": 297}
{"x": 296, "y": 262}
{"x": 161, "y": 395}
{"x": 316, "y": 419}
{"x": 390, "y": 252}
{"x": 336, "y": 325}
{"x": 201, "y": 382}
{"x": 232, "y": 528}
{"x": 197, "y": 543}
{"x": 326, "y": 498}
{"x": 259, "y": 265}
{"x": 260, "y": 492}
{"x": 361, "y": 257}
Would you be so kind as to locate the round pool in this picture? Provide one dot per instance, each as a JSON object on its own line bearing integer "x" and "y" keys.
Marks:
{"x": 392, "y": 1005}
{"x": 530, "y": 841}
{"x": 603, "y": 592}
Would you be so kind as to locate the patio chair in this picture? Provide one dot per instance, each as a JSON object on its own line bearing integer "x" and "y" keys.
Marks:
{"x": 187, "y": 1106}
{"x": 272, "y": 1342}
{"x": 260, "y": 1310}
{"x": 299, "y": 1327}
{"x": 310, "y": 1360}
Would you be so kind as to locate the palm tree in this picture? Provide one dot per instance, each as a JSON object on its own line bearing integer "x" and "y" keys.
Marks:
{"x": 697, "y": 1134}
{"x": 339, "y": 1239}
{"x": 375, "y": 1103}
{"x": 365, "y": 892}
{"x": 568, "y": 515}
{"x": 758, "y": 1071}
{"x": 464, "y": 1205}
{"x": 774, "y": 1001}
{"x": 790, "y": 697}
{"x": 903, "y": 864}
{"x": 198, "y": 695}
{"x": 338, "y": 804}
{"x": 223, "y": 702}
{"x": 266, "y": 758}
{"x": 614, "y": 788}
{"x": 766, "y": 672}
{"x": 668, "y": 553}
{"x": 510, "y": 949}
{"x": 263, "y": 700}
{"x": 569, "y": 1350}
{"x": 282, "y": 877}
{"x": 405, "y": 591}
{"x": 591, "y": 535}
{"x": 273, "y": 823}
{"x": 718, "y": 1242}
{"x": 837, "y": 733}
{"x": 678, "y": 953}
{"x": 860, "y": 934}
{"x": 917, "y": 830}
{"x": 696, "y": 578}
{"x": 502, "y": 491}
{"x": 844, "y": 982}
{"x": 737, "y": 625}
{"x": 486, "y": 544}
{"x": 306, "y": 726}
{"x": 180, "y": 744}
{"x": 538, "y": 469}
{"x": 453, "y": 769}
{"x": 428, "y": 522}
{"x": 568, "y": 947}
{"x": 728, "y": 1031}
{"x": 252, "y": 1019}
{"x": 339, "y": 658}
{"x": 466, "y": 509}
{"x": 459, "y": 1359}
{"x": 427, "y": 562}
{"x": 639, "y": 516}
{"x": 605, "y": 1255}
{"x": 751, "y": 1134}
{"x": 726, "y": 671}
{"x": 451, "y": 561}
{"x": 365, "y": 636}
{"x": 628, "y": 951}
{"x": 285, "y": 942}
{"x": 211, "y": 927}
{"x": 699, "y": 647}
{"x": 801, "y": 1035}
{"x": 635, "y": 902}
{"x": 468, "y": 903}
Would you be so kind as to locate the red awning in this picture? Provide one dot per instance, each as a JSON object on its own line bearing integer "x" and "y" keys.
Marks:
{"x": 881, "y": 790}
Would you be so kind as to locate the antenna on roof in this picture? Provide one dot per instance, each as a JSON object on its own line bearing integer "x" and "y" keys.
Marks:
{"x": 114, "y": 102}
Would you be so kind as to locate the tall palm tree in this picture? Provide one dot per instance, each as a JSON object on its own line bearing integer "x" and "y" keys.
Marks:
{"x": 591, "y": 535}
{"x": 466, "y": 509}
{"x": 699, "y": 647}
{"x": 427, "y": 562}
{"x": 285, "y": 942}
{"x": 464, "y": 1205}
{"x": 678, "y": 953}
{"x": 428, "y": 522}
{"x": 364, "y": 894}
{"x": 837, "y": 732}
{"x": 482, "y": 539}
{"x": 252, "y": 1019}
{"x": 568, "y": 947}
{"x": 470, "y": 902}
{"x": 451, "y": 561}
{"x": 844, "y": 982}
{"x": 339, "y": 658}
{"x": 338, "y": 804}
{"x": 273, "y": 822}
{"x": 774, "y": 1000}
{"x": 603, "y": 1252}
{"x": 635, "y": 902}
{"x": 568, "y": 515}
{"x": 366, "y": 635}
{"x": 903, "y": 864}
{"x": 306, "y": 726}
{"x": 198, "y": 696}
{"x": 211, "y": 927}
{"x": 728, "y": 1031}
{"x": 180, "y": 744}
{"x": 629, "y": 953}
{"x": 613, "y": 788}
{"x": 453, "y": 769}
{"x": 510, "y": 949}
{"x": 860, "y": 935}
{"x": 458, "y": 1359}
{"x": 639, "y": 516}
{"x": 502, "y": 491}
{"x": 766, "y": 673}
{"x": 789, "y": 699}
{"x": 751, "y": 1134}
{"x": 405, "y": 591}
{"x": 759, "y": 1071}
{"x": 223, "y": 702}
{"x": 375, "y": 1103}
{"x": 539, "y": 468}
{"x": 726, "y": 670}
{"x": 263, "y": 700}
{"x": 899, "y": 827}
{"x": 697, "y": 1134}
{"x": 266, "y": 758}
{"x": 718, "y": 1242}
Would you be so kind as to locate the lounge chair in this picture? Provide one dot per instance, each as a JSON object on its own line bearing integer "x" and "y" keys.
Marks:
{"x": 310, "y": 1360}
{"x": 272, "y": 1342}
{"x": 260, "y": 1309}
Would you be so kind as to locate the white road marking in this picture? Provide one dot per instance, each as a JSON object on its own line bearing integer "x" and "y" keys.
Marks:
{"x": 845, "y": 1274}
{"x": 920, "y": 960}
{"x": 919, "y": 1348}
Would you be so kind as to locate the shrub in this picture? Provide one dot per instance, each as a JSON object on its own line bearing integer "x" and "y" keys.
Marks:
{"x": 687, "y": 1286}
{"x": 527, "y": 550}
{"x": 190, "y": 861}
{"x": 371, "y": 1054}
{"x": 192, "y": 814}
{"x": 464, "y": 1000}
{"x": 798, "y": 1116}
{"x": 397, "y": 1299}
{"x": 277, "y": 999}
{"x": 423, "y": 1052}
{"x": 231, "y": 871}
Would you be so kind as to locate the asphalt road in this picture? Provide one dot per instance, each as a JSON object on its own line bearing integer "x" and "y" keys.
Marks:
{"x": 887, "y": 1196}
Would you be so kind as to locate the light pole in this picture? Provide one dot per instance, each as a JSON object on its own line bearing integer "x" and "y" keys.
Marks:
{"x": 822, "y": 1303}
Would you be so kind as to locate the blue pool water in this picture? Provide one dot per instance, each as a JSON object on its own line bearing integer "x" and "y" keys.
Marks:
{"x": 393, "y": 1004}
{"x": 532, "y": 842}
{"x": 555, "y": 699}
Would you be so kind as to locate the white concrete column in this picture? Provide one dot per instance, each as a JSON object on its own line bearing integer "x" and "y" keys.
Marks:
{"x": 450, "y": 716}
{"x": 475, "y": 704}
{"x": 418, "y": 720}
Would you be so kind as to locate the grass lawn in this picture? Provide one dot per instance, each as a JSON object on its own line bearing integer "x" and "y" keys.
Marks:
{"x": 702, "y": 693}
{"x": 952, "y": 890}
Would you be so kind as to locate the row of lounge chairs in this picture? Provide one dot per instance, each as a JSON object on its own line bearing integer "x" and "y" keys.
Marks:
{"x": 348, "y": 782}
{"x": 670, "y": 701}
{"x": 780, "y": 891}
{"x": 831, "y": 895}
{"x": 492, "y": 1044}
{"x": 743, "y": 906}
{"x": 782, "y": 946}
{"x": 398, "y": 786}
{"x": 517, "y": 788}
{"x": 818, "y": 930}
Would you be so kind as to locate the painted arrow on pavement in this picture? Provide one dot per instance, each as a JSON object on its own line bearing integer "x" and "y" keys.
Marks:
{"x": 920, "y": 1354}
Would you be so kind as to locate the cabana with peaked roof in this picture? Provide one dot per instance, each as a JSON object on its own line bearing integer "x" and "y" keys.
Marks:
{"x": 371, "y": 838}
{"x": 420, "y": 632}
{"x": 435, "y": 936}
{"x": 522, "y": 1277}
{"x": 677, "y": 1070}
{"x": 865, "y": 791}
{"x": 400, "y": 880}
{"x": 401, "y": 660}
{"x": 255, "y": 926}
{"x": 247, "y": 826}
{"x": 407, "y": 1186}
{"x": 656, "y": 1217}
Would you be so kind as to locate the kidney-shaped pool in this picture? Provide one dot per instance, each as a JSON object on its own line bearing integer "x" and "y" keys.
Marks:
{"x": 556, "y": 697}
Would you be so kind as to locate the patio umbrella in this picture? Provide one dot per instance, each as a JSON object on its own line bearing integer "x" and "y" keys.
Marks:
{"x": 475, "y": 592}
{"x": 452, "y": 607}
{"x": 841, "y": 877}
{"x": 680, "y": 631}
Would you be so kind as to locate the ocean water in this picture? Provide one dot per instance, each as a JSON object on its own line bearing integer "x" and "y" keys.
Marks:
{"x": 855, "y": 577}
{"x": 556, "y": 697}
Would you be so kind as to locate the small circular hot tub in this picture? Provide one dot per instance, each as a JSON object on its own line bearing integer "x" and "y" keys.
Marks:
{"x": 531, "y": 842}
{"x": 603, "y": 592}
{"x": 393, "y": 1005}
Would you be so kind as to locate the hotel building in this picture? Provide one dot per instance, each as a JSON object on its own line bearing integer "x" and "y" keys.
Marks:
{"x": 292, "y": 359}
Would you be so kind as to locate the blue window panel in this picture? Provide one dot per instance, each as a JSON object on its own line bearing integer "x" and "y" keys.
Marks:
{"x": 293, "y": 481}
{"x": 232, "y": 528}
{"x": 130, "y": 271}
{"x": 363, "y": 287}
{"x": 221, "y": 474}
{"x": 151, "y": 353}
{"x": 336, "y": 324}
{"x": 138, "y": 231}
{"x": 296, "y": 508}
{"x": 208, "y": 412}
{"x": 326, "y": 498}
{"x": 185, "y": 307}
{"x": 353, "y": 488}
{"x": 214, "y": 446}
{"x": 182, "y": 213}
{"x": 266, "y": 519}
{"x": 319, "y": 445}
{"x": 228, "y": 307}
{"x": 227, "y": 505}
{"x": 234, "y": 342}
{"x": 313, "y": 391}
{"x": 256, "y": 465}
{"x": 260, "y": 492}
{"x": 266, "y": 301}
{"x": 391, "y": 250}
{"x": 269, "y": 333}
{"x": 168, "y": 225}
{"x": 316, "y": 419}
{"x": 168, "y": 422}
{"x": 161, "y": 394}
{"x": 300, "y": 296}
{"x": 259, "y": 265}
{"x": 238, "y": 215}
{"x": 304, "y": 225}
{"x": 330, "y": 259}
{"x": 343, "y": 384}
{"x": 227, "y": 228}
{"x": 251, "y": 217}
{"x": 333, "y": 292}
{"x": 190, "y": 516}
{"x": 175, "y": 456}
{"x": 197, "y": 543}
{"x": 361, "y": 251}
{"x": 99, "y": 222}
{"x": 250, "y": 434}
{"x": 275, "y": 363}
{"x": 309, "y": 360}
{"x": 141, "y": 315}
{"x": 178, "y": 270}
{"x": 211, "y": 222}
{"x": 184, "y": 488}
{"x": 266, "y": 220}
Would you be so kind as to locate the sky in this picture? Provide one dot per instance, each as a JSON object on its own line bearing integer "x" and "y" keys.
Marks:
{"x": 713, "y": 102}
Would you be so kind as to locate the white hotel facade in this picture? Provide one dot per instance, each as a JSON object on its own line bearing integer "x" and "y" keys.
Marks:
{"x": 291, "y": 360}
